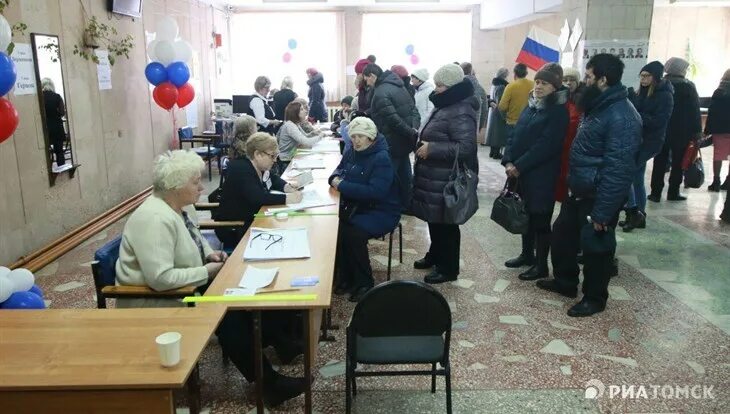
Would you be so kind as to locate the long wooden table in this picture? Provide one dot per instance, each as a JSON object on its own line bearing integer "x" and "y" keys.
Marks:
{"x": 97, "y": 361}
{"x": 322, "y": 232}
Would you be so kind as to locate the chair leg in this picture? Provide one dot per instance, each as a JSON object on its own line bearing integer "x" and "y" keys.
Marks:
{"x": 224, "y": 357}
{"x": 433, "y": 378}
{"x": 390, "y": 253}
{"x": 400, "y": 242}
{"x": 194, "y": 390}
{"x": 353, "y": 378}
{"x": 348, "y": 378}
{"x": 210, "y": 168}
{"x": 448, "y": 387}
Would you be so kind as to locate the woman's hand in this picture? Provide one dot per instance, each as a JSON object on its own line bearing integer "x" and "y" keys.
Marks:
{"x": 213, "y": 269}
{"x": 294, "y": 198}
{"x": 217, "y": 256}
{"x": 511, "y": 170}
{"x": 422, "y": 151}
{"x": 335, "y": 183}
{"x": 288, "y": 188}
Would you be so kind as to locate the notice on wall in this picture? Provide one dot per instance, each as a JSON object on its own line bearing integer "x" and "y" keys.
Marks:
{"x": 103, "y": 69}
{"x": 23, "y": 58}
{"x": 632, "y": 52}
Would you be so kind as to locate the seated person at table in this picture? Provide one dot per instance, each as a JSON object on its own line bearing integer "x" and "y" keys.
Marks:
{"x": 163, "y": 249}
{"x": 291, "y": 136}
{"x": 306, "y": 125}
{"x": 243, "y": 127}
{"x": 369, "y": 205}
{"x": 248, "y": 186}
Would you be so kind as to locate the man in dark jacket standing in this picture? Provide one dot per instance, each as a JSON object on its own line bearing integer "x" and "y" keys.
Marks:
{"x": 602, "y": 165}
{"x": 481, "y": 94}
{"x": 685, "y": 125}
{"x": 394, "y": 112}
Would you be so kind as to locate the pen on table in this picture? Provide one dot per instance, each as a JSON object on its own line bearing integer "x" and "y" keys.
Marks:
{"x": 277, "y": 291}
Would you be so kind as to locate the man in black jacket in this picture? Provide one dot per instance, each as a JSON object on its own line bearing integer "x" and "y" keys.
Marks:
{"x": 601, "y": 167}
{"x": 395, "y": 114}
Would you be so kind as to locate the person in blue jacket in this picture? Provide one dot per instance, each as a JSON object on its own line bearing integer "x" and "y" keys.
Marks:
{"x": 601, "y": 167}
{"x": 369, "y": 205}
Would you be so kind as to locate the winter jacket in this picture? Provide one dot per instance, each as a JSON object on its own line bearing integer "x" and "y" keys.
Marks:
{"x": 718, "y": 115}
{"x": 514, "y": 99}
{"x": 452, "y": 125}
{"x": 496, "y": 126}
{"x": 481, "y": 94}
{"x": 685, "y": 123}
{"x": 603, "y": 155}
{"x": 409, "y": 87}
{"x": 283, "y": 98}
{"x": 317, "y": 108}
{"x": 369, "y": 187}
{"x": 394, "y": 113}
{"x": 534, "y": 148}
{"x": 561, "y": 190}
{"x": 291, "y": 136}
{"x": 423, "y": 104}
{"x": 655, "y": 111}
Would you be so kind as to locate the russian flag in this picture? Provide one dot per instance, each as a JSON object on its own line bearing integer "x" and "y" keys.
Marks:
{"x": 540, "y": 47}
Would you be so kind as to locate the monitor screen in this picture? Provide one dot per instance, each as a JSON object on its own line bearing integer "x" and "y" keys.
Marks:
{"x": 131, "y": 8}
{"x": 241, "y": 104}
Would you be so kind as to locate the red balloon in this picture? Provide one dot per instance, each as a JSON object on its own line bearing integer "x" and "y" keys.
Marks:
{"x": 8, "y": 119}
{"x": 185, "y": 95}
{"x": 165, "y": 94}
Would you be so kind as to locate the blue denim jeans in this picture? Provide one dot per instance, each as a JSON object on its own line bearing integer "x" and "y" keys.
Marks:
{"x": 404, "y": 174}
{"x": 637, "y": 193}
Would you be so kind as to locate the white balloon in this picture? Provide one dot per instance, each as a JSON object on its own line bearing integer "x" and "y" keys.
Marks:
{"x": 165, "y": 52}
{"x": 151, "y": 50}
{"x": 167, "y": 29}
{"x": 183, "y": 51}
{"x": 6, "y": 288}
{"x": 21, "y": 279}
{"x": 4, "y": 271}
{"x": 6, "y": 35}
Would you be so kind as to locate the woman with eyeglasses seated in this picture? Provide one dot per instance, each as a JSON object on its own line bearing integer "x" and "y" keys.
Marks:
{"x": 291, "y": 135}
{"x": 369, "y": 205}
{"x": 163, "y": 249}
{"x": 250, "y": 184}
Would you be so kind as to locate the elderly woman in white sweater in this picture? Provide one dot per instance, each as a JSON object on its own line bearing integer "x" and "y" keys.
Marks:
{"x": 163, "y": 249}
{"x": 291, "y": 135}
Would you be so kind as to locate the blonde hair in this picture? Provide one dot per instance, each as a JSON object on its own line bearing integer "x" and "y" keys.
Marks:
{"x": 261, "y": 142}
{"x": 174, "y": 169}
{"x": 287, "y": 83}
{"x": 244, "y": 126}
{"x": 48, "y": 85}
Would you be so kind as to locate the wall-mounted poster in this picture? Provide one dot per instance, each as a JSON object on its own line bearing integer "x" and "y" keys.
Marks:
{"x": 632, "y": 52}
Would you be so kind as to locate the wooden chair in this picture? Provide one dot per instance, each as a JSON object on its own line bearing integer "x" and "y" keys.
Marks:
{"x": 207, "y": 152}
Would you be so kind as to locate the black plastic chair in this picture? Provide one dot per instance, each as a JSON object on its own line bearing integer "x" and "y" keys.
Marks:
{"x": 399, "y": 322}
{"x": 209, "y": 151}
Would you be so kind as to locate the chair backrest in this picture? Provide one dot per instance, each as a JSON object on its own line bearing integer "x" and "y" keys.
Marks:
{"x": 185, "y": 132}
{"x": 401, "y": 308}
{"x": 105, "y": 273}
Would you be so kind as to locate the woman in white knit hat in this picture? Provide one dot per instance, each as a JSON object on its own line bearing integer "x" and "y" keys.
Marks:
{"x": 450, "y": 130}
{"x": 424, "y": 87}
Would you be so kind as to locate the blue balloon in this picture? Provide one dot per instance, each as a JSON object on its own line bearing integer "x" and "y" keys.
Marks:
{"x": 7, "y": 74}
{"x": 155, "y": 73}
{"x": 410, "y": 49}
{"x": 292, "y": 44}
{"x": 35, "y": 289}
{"x": 24, "y": 300}
{"x": 178, "y": 73}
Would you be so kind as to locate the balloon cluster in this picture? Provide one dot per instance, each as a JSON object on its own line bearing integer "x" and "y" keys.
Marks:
{"x": 168, "y": 71}
{"x": 292, "y": 44}
{"x": 410, "y": 51}
{"x": 8, "y": 74}
{"x": 18, "y": 291}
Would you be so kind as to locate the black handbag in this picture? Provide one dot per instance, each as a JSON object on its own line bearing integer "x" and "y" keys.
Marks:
{"x": 509, "y": 211}
{"x": 694, "y": 175}
{"x": 460, "y": 194}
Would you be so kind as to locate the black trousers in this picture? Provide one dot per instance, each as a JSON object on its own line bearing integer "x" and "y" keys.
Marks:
{"x": 659, "y": 168}
{"x": 565, "y": 244}
{"x": 353, "y": 259}
{"x": 57, "y": 142}
{"x": 445, "y": 246}
{"x": 539, "y": 224}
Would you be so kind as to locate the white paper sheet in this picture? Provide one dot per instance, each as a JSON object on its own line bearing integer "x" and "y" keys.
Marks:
{"x": 310, "y": 198}
{"x": 103, "y": 70}
{"x": 25, "y": 69}
{"x": 327, "y": 145}
{"x": 308, "y": 164}
{"x": 239, "y": 292}
{"x": 256, "y": 278}
{"x": 276, "y": 244}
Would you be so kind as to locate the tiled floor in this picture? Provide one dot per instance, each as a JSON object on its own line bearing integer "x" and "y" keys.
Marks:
{"x": 514, "y": 350}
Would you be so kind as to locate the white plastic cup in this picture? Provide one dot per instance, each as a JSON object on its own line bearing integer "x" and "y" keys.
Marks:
{"x": 282, "y": 216}
{"x": 168, "y": 345}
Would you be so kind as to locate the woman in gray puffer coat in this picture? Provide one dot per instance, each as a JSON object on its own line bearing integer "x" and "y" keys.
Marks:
{"x": 451, "y": 128}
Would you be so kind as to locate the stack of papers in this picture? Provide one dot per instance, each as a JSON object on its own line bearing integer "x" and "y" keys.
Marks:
{"x": 310, "y": 198}
{"x": 276, "y": 244}
{"x": 327, "y": 145}
{"x": 253, "y": 279}
{"x": 308, "y": 164}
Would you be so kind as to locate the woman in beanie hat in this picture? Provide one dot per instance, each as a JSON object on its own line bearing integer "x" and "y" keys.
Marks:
{"x": 496, "y": 136}
{"x": 571, "y": 80}
{"x": 685, "y": 125}
{"x": 423, "y": 88}
{"x": 369, "y": 205}
{"x": 361, "y": 101}
{"x": 532, "y": 162}
{"x": 450, "y": 129}
{"x": 654, "y": 102}
{"x": 317, "y": 107}
{"x": 718, "y": 125}
{"x": 402, "y": 73}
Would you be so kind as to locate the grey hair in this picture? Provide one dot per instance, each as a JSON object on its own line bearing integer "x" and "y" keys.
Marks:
{"x": 174, "y": 169}
{"x": 287, "y": 83}
{"x": 48, "y": 85}
{"x": 244, "y": 126}
{"x": 502, "y": 73}
{"x": 261, "y": 82}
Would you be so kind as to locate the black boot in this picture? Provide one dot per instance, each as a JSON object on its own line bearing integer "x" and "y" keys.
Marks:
{"x": 424, "y": 263}
{"x": 279, "y": 388}
{"x": 674, "y": 195}
{"x": 655, "y": 197}
{"x": 436, "y": 277}
{"x": 725, "y": 183}
{"x": 636, "y": 220}
{"x": 715, "y": 186}
{"x": 540, "y": 269}
{"x": 527, "y": 257}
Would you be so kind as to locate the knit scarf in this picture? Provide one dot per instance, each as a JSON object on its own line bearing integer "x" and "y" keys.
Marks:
{"x": 194, "y": 234}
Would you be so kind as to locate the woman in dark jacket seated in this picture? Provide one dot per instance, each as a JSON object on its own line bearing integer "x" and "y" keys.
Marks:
{"x": 249, "y": 184}
{"x": 369, "y": 205}
{"x": 532, "y": 158}
{"x": 452, "y": 127}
